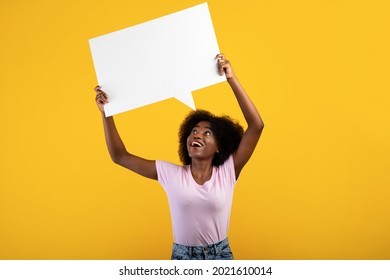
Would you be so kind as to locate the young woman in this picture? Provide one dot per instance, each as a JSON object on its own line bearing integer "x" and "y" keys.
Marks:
{"x": 213, "y": 151}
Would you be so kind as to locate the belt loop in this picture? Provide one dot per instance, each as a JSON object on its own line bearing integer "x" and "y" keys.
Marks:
{"x": 190, "y": 252}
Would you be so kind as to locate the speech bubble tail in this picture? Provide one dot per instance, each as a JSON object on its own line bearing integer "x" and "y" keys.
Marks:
{"x": 187, "y": 99}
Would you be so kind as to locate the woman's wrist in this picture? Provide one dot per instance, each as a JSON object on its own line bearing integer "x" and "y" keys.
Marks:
{"x": 103, "y": 115}
{"x": 232, "y": 79}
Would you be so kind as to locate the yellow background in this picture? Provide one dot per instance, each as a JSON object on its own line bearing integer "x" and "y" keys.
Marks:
{"x": 317, "y": 187}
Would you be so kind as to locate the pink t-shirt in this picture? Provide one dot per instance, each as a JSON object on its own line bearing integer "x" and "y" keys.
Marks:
{"x": 200, "y": 213}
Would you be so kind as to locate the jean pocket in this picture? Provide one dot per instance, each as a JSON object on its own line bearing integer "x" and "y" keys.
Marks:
{"x": 226, "y": 253}
{"x": 179, "y": 254}
{"x": 176, "y": 257}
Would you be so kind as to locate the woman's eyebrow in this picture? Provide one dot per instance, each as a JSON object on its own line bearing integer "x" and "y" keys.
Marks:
{"x": 208, "y": 127}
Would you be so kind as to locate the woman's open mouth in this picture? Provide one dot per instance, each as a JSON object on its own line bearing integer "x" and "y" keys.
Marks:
{"x": 196, "y": 144}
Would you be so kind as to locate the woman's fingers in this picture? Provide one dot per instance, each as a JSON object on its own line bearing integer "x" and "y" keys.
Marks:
{"x": 101, "y": 97}
{"x": 99, "y": 92}
{"x": 224, "y": 66}
{"x": 220, "y": 56}
{"x": 220, "y": 65}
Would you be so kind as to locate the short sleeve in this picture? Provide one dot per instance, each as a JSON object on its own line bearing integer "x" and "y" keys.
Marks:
{"x": 166, "y": 172}
{"x": 227, "y": 171}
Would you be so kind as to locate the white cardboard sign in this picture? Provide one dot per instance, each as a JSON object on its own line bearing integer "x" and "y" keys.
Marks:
{"x": 156, "y": 60}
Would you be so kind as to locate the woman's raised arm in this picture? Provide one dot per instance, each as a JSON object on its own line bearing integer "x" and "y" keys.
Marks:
{"x": 117, "y": 149}
{"x": 255, "y": 124}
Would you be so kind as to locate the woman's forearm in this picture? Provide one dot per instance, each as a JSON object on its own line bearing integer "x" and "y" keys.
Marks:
{"x": 114, "y": 143}
{"x": 248, "y": 109}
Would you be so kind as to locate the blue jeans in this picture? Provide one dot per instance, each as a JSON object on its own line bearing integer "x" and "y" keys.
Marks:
{"x": 217, "y": 251}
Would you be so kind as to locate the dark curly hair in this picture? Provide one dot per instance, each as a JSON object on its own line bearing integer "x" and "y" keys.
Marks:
{"x": 228, "y": 134}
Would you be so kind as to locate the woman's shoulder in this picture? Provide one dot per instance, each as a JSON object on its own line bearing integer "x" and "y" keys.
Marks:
{"x": 167, "y": 165}
{"x": 226, "y": 169}
{"x": 168, "y": 171}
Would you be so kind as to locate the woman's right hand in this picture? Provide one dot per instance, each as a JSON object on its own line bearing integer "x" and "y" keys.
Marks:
{"x": 101, "y": 98}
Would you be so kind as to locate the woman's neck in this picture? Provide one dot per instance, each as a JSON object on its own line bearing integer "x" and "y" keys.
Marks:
{"x": 201, "y": 171}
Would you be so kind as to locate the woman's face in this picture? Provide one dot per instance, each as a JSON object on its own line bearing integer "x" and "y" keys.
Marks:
{"x": 201, "y": 143}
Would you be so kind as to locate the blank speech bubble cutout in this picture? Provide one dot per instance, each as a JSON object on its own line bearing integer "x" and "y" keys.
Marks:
{"x": 163, "y": 58}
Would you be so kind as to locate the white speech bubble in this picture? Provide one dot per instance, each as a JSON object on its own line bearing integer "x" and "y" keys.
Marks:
{"x": 163, "y": 58}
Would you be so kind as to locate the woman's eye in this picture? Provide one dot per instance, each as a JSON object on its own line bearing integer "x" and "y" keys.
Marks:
{"x": 208, "y": 133}
{"x": 194, "y": 131}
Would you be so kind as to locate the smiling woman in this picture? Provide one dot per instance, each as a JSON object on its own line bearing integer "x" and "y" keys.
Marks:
{"x": 213, "y": 150}
{"x": 226, "y": 132}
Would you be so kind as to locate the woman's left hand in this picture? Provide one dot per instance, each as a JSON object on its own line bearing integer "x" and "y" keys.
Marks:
{"x": 224, "y": 66}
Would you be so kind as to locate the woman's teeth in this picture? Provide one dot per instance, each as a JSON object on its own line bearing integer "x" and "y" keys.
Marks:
{"x": 196, "y": 144}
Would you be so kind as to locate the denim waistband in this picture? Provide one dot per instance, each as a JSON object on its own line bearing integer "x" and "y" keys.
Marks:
{"x": 209, "y": 249}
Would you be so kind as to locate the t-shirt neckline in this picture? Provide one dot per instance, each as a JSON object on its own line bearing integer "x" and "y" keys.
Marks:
{"x": 205, "y": 184}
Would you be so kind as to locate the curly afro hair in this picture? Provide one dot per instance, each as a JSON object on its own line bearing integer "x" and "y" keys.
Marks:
{"x": 228, "y": 134}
